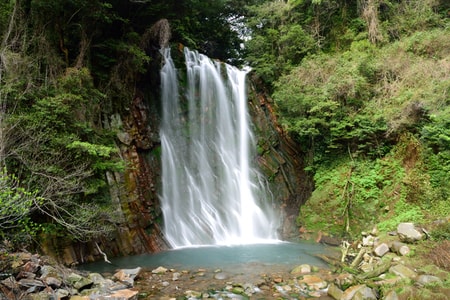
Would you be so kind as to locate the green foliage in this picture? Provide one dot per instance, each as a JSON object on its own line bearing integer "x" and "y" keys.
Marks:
{"x": 442, "y": 231}
{"x": 436, "y": 137}
{"x": 363, "y": 193}
{"x": 323, "y": 102}
{"x": 403, "y": 212}
{"x": 61, "y": 150}
{"x": 5, "y": 13}
{"x": 16, "y": 207}
{"x": 276, "y": 44}
{"x": 404, "y": 17}
{"x": 353, "y": 100}
{"x": 15, "y": 202}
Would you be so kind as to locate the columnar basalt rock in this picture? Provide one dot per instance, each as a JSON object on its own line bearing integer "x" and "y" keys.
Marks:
{"x": 279, "y": 159}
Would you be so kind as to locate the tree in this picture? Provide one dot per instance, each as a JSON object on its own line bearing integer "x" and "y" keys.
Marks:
{"x": 277, "y": 39}
{"x": 61, "y": 151}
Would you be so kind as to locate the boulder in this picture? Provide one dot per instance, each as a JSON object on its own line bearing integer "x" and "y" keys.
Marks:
{"x": 78, "y": 282}
{"x": 391, "y": 295}
{"x": 351, "y": 291}
{"x": 334, "y": 292}
{"x": 47, "y": 270}
{"x": 127, "y": 276}
{"x": 402, "y": 271}
{"x": 96, "y": 278}
{"x": 365, "y": 293}
{"x": 427, "y": 279}
{"x": 408, "y": 233}
{"x": 53, "y": 282}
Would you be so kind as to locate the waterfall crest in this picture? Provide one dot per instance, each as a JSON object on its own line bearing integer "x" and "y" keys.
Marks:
{"x": 211, "y": 193}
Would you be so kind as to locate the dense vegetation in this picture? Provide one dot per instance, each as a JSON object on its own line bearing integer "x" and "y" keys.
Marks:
{"x": 363, "y": 86}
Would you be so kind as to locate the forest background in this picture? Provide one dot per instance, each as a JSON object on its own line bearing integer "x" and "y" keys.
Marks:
{"x": 362, "y": 86}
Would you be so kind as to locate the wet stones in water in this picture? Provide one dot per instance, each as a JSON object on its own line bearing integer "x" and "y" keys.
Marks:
{"x": 220, "y": 276}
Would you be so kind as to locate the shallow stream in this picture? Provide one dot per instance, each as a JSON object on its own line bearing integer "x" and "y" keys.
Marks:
{"x": 237, "y": 258}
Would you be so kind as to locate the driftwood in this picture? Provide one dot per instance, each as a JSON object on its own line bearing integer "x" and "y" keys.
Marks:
{"x": 358, "y": 258}
{"x": 399, "y": 248}
{"x": 336, "y": 263}
{"x": 385, "y": 265}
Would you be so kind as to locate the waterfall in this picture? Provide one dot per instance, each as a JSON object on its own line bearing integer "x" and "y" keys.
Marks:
{"x": 211, "y": 193}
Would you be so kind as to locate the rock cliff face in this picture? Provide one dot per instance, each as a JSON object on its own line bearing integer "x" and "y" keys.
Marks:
{"x": 279, "y": 159}
{"x": 134, "y": 192}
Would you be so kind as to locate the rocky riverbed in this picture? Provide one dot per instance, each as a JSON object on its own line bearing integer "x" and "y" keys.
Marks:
{"x": 378, "y": 266}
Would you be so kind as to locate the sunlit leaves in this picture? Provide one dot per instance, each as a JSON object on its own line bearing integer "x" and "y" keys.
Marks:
{"x": 16, "y": 203}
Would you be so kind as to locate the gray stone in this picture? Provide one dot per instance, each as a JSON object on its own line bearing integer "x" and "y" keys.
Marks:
{"x": 96, "y": 278}
{"x": 365, "y": 293}
{"x": 78, "y": 282}
{"x": 28, "y": 275}
{"x": 313, "y": 282}
{"x": 124, "y": 137}
{"x": 109, "y": 286}
{"x": 193, "y": 294}
{"x": 351, "y": 291}
{"x": 381, "y": 249}
{"x": 165, "y": 283}
{"x": 73, "y": 277}
{"x": 132, "y": 273}
{"x": 176, "y": 276}
{"x": 427, "y": 279}
{"x": 391, "y": 295}
{"x": 42, "y": 296}
{"x": 127, "y": 276}
{"x": 302, "y": 269}
{"x": 92, "y": 293}
{"x": 125, "y": 295}
{"x": 334, "y": 292}
{"x": 159, "y": 270}
{"x": 9, "y": 282}
{"x": 62, "y": 293}
{"x": 53, "y": 282}
{"x": 408, "y": 233}
{"x": 220, "y": 276}
{"x": 48, "y": 271}
{"x": 25, "y": 282}
{"x": 402, "y": 271}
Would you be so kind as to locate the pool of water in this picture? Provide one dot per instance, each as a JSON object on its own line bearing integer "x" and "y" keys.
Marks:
{"x": 223, "y": 257}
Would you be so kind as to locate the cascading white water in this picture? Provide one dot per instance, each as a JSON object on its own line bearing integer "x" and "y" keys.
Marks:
{"x": 210, "y": 192}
